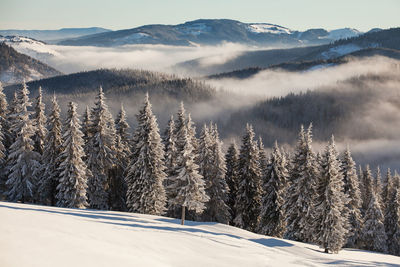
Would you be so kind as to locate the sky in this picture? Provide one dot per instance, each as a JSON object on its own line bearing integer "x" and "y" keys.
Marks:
{"x": 123, "y": 14}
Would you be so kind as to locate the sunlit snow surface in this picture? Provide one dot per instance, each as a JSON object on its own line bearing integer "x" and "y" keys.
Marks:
{"x": 268, "y": 28}
{"x": 47, "y": 236}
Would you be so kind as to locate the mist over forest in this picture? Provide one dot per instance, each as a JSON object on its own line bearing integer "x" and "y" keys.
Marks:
{"x": 348, "y": 88}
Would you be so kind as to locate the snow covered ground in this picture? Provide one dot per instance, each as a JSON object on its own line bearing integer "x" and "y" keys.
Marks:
{"x": 34, "y": 235}
{"x": 268, "y": 28}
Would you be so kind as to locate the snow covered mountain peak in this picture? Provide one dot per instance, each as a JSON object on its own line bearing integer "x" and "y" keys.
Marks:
{"x": 268, "y": 28}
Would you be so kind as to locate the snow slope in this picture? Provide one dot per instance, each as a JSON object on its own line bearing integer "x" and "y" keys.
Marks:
{"x": 268, "y": 28}
{"x": 47, "y": 236}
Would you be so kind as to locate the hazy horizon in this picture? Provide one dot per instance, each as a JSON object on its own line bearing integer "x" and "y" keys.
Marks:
{"x": 121, "y": 14}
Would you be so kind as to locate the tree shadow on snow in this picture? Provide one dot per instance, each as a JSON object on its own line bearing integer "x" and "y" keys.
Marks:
{"x": 360, "y": 263}
{"x": 173, "y": 229}
{"x": 189, "y": 223}
{"x": 81, "y": 213}
{"x": 272, "y": 242}
{"x": 131, "y": 222}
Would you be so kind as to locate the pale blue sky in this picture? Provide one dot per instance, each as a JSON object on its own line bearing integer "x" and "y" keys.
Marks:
{"x": 123, "y": 14}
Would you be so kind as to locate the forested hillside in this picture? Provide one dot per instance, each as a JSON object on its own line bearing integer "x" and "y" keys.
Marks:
{"x": 16, "y": 67}
{"x": 339, "y": 109}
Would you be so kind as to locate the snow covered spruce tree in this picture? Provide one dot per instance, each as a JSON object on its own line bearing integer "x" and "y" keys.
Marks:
{"x": 377, "y": 185}
{"x": 2, "y": 162}
{"x": 187, "y": 188}
{"x": 23, "y": 163}
{"x": 331, "y": 225}
{"x": 373, "y": 231}
{"x": 352, "y": 191}
{"x": 86, "y": 130}
{"x": 71, "y": 190}
{"x": 248, "y": 201}
{"x": 392, "y": 219}
{"x": 183, "y": 121}
{"x": 5, "y": 125}
{"x": 39, "y": 120}
{"x": 273, "y": 217}
{"x": 169, "y": 140}
{"x": 213, "y": 169}
{"x": 263, "y": 161}
{"x": 101, "y": 156}
{"x": 176, "y": 129}
{"x": 232, "y": 177}
{"x": 123, "y": 147}
{"x": 145, "y": 193}
{"x": 51, "y": 156}
{"x": 301, "y": 194}
{"x": 5, "y": 138}
{"x": 368, "y": 188}
{"x": 386, "y": 187}
{"x": 361, "y": 183}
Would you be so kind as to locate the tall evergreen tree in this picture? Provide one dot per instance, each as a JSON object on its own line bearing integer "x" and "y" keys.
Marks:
{"x": 182, "y": 122}
{"x": 71, "y": 190}
{"x": 374, "y": 236}
{"x": 12, "y": 117}
{"x": 263, "y": 161}
{"x": 330, "y": 231}
{"x": 187, "y": 187}
{"x": 352, "y": 191}
{"x": 248, "y": 201}
{"x": 191, "y": 130}
{"x": 392, "y": 221}
{"x": 302, "y": 192}
{"x": 4, "y": 138}
{"x": 169, "y": 141}
{"x": 216, "y": 187}
{"x": 232, "y": 178}
{"x": 361, "y": 183}
{"x": 101, "y": 156}
{"x": 5, "y": 125}
{"x": 118, "y": 187}
{"x": 23, "y": 163}
{"x": 146, "y": 174}
{"x": 377, "y": 186}
{"x": 368, "y": 186}
{"x": 386, "y": 187}
{"x": 39, "y": 120}
{"x": 273, "y": 217}
{"x": 51, "y": 156}
{"x": 2, "y": 162}
{"x": 87, "y": 131}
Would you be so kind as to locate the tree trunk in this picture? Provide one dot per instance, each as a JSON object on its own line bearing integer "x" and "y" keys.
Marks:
{"x": 183, "y": 216}
{"x": 326, "y": 250}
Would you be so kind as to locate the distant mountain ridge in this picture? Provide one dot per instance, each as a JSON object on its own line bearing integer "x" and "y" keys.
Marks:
{"x": 16, "y": 67}
{"x": 310, "y": 65}
{"x": 48, "y": 35}
{"x": 383, "y": 41}
{"x": 211, "y": 32}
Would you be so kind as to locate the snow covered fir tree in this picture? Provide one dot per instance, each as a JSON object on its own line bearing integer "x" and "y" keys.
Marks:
{"x": 301, "y": 194}
{"x": 51, "y": 158}
{"x": 248, "y": 199}
{"x": 71, "y": 189}
{"x": 101, "y": 153}
{"x": 23, "y": 163}
{"x": 145, "y": 173}
{"x": 273, "y": 216}
{"x": 331, "y": 223}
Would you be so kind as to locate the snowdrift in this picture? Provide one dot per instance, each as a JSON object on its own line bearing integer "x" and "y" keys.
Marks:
{"x": 32, "y": 235}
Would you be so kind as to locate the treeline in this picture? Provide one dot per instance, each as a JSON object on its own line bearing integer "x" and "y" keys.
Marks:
{"x": 121, "y": 83}
{"x": 97, "y": 163}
